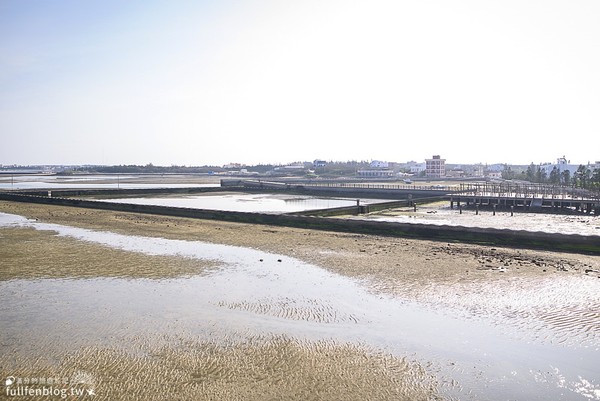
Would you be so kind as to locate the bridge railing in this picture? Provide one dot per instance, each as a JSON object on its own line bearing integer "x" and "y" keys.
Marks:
{"x": 360, "y": 185}
{"x": 527, "y": 190}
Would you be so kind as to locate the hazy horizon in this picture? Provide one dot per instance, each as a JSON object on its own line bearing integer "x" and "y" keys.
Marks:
{"x": 212, "y": 83}
{"x": 226, "y": 165}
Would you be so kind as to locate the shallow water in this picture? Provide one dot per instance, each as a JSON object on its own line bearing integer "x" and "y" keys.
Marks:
{"x": 490, "y": 355}
{"x": 443, "y": 215}
{"x": 91, "y": 185}
{"x": 20, "y": 182}
{"x": 265, "y": 203}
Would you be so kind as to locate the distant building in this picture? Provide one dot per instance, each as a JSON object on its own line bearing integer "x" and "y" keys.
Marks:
{"x": 494, "y": 174}
{"x": 493, "y": 171}
{"x": 290, "y": 167}
{"x": 561, "y": 164}
{"x": 233, "y": 165}
{"x": 319, "y": 163}
{"x": 380, "y": 173}
{"x": 435, "y": 167}
{"x": 456, "y": 172}
{"x": 379, "y": 164}
{"x": 417, "y": 168}
{"x": 476, "y": 170}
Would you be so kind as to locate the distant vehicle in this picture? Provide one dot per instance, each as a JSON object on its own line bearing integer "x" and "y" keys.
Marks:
{"x": 407, "y": 181}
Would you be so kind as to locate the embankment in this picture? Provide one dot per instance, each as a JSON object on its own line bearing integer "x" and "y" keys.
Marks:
{"x": 484, "y": 236}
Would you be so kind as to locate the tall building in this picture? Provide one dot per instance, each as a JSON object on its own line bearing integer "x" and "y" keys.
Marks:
{"x": 435, "y": 167}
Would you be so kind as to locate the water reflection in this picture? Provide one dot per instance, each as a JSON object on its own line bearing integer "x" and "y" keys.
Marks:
{"x": 44, "y": 181}
{"x": 265, "y": 203}
{"x": 442, "y": 215}
{"x": 262, "y": 293}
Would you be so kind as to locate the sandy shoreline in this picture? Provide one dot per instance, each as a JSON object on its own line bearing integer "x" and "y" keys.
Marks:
{"x": 411, "y": 261}
{"x": 530, "y": 291}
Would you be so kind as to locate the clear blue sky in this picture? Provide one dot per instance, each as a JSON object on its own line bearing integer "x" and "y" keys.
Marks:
{"x": 213, "y": 82}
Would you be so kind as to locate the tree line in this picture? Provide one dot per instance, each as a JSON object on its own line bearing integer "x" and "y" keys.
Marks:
{"x": 584, "y": 177}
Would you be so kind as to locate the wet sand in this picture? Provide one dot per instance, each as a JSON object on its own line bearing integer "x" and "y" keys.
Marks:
{"x": 159, "y": 359}
{"x": 543, "y": 296}
{"x": 440, "y": 213}
{"x": 27, "y": 253}
{"x": 256, "y": 369}
{"x": 393, "y": 265}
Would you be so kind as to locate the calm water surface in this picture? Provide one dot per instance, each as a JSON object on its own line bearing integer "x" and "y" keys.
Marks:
{"x": 35, "y": 181}
{"x": 244, "y": 202}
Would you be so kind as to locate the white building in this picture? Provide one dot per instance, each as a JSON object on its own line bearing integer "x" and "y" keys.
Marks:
{"x": 384, "y": 173}
{"x": 561, "y": 164}
{"x": 417, "y": 168}
{"x": 379, "y": 164}
{"x": 494, "y": 174}
{"x": 291, "y": 167}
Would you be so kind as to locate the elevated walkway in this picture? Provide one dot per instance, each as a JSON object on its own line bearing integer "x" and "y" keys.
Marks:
{"x": 349, "y": 190}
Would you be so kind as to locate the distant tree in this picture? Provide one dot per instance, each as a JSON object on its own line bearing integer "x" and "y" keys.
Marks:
{"x": 508, "y": 173}
{"x": 583, "y": 176}
{"x": 554, "y": 177}
{"x": 565, "y": 177}
{"x": 596, "y": 179}
{"x": 540, "y": 175}
{"x": 530, "y": 173}
{"x": 262, "y": 168}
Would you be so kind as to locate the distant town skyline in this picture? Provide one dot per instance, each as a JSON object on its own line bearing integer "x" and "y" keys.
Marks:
{"x": 374, "y": 163}
{"x": 211, "y": 83}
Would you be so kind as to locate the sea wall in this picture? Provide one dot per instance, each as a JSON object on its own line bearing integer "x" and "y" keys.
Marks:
{"x": 353, "y": 210}
{"x": 485, "y": 236}
{"x": 348, "y": 190}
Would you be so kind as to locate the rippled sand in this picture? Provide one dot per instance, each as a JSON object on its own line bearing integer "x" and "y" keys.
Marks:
{"x": 309, "y": 310}
{"x": 220, "y": 364}
{"x": 273, "y": 368}
{"x": 421, "y": 270}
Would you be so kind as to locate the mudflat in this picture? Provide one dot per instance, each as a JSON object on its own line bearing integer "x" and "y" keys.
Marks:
{"x": 381, "y": 260}
{"x": 551, "y": 296}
